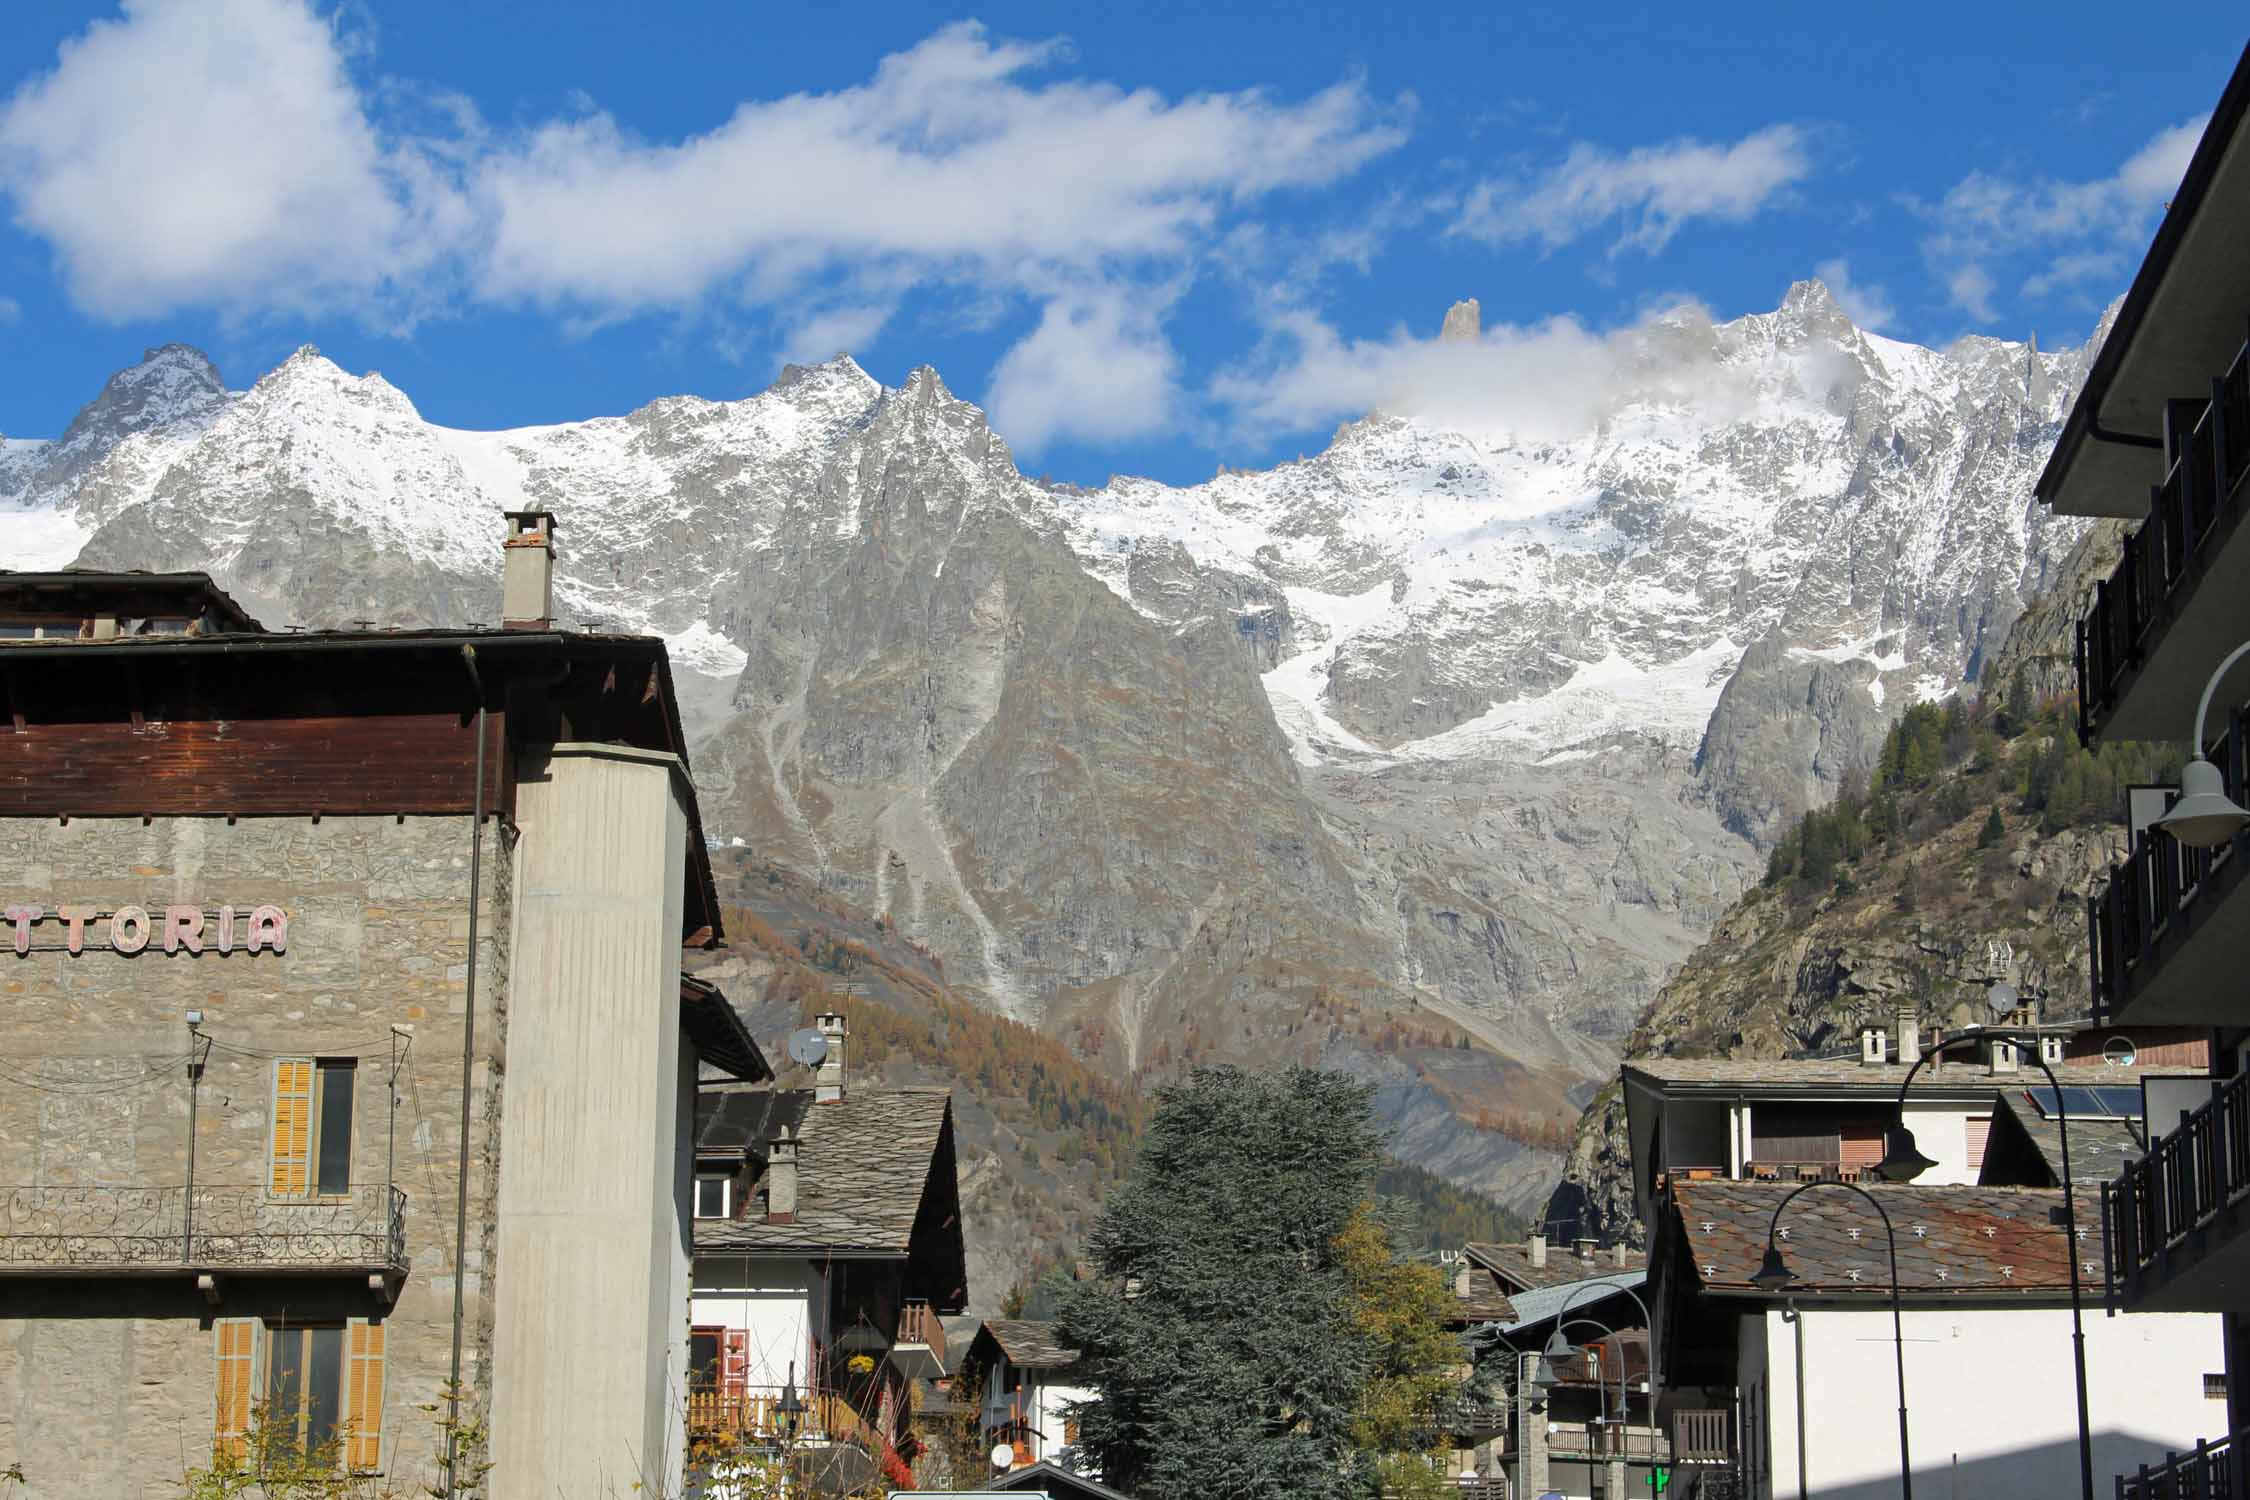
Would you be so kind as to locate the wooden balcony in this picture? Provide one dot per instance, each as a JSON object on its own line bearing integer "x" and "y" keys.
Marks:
{"x": 2177, "y": 1220}
{"x": 919, "y": 1350}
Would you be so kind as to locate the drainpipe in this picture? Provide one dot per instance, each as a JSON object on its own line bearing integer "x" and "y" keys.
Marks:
{"x": 1796, "y": 1320}
{"x": 468, "y": 1077}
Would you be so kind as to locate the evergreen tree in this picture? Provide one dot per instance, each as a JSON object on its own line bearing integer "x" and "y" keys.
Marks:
{"x": 1993, "y": 832}
{"x": 1223, "y": 1304}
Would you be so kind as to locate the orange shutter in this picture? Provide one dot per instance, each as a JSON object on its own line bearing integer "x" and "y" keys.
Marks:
{"x": 292, "y": 1126}
{"x": 1979, "y": 1128}
{"x": 363, "y": 1397}
{"x": 237, "y": 1345}
{"x": 1860, "y": 1148}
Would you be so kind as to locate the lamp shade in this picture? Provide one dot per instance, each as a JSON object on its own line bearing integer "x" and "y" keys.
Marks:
{"x": 1558, "y": 1347}
{"x": 1904, "y": 1162}
{"x": 1545, "y": 1377}
{"x": 2204, "y": 817}
{"x": 1773, "y": 1271}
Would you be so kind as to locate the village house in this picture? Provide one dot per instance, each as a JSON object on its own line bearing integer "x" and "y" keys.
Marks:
{"x": 1022, "y": 1372}
{"x": 828, "y": 1249}
{"x": 2160, "y": 435}
{"x": 348, "y": 1044}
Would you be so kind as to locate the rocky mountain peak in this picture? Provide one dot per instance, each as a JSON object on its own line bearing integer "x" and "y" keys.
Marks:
{"x": 172, "y": 381}
{"x": 1464, "y": 323}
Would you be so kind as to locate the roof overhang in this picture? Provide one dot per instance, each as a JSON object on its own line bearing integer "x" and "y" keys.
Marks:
{"x": 2181, "y": 322}
{"x": 712, "y": 1023}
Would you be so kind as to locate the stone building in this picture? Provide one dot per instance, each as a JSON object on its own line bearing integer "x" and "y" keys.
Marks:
{"x": 347, "y": 1043}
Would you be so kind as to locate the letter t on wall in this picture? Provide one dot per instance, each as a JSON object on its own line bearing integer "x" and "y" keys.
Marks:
{"x": 23, "y": 917}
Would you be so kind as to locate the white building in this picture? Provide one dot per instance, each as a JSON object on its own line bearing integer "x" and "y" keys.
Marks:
{"x": 1026, "y": 1395}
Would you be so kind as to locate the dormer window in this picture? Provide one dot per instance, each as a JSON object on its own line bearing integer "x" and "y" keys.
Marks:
{"x": 714, "y": 1196}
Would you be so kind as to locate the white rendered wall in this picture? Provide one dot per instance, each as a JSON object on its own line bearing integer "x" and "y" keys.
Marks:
{"x": 1054, "y": 1401}
{"x": 772, "y": 1300}
{"x": 592, "y": 1271}
{"x": 1992, "y": 1408}
{"x": 1941, "y": 1132}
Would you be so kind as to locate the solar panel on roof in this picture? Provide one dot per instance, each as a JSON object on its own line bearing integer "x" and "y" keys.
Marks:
{"x": 2102, "y": 1101}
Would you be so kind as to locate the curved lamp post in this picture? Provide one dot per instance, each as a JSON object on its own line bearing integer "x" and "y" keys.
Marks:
{"x": 1559, "y": 1347}
{"x": 1547, "y": 1380}
{"x": 2204, "y": 817}
{"x": 1774, "y": 1274}
{"x": 1904, "y": 1163}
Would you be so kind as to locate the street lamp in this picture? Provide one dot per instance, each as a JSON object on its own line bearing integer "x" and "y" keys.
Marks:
{"x": 789, "y": 1408}
{"x": 1559, "y": 1348}
{"x": 1903, "y": 1163}
{"x": 2205, "y": 817}
{"x": 1773, "y": 1275}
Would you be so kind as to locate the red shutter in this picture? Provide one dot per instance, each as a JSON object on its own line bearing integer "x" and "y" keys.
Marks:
{"x": 734, "y": 1361}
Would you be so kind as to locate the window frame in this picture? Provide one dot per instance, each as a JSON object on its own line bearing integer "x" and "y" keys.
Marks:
{"x": 725, "y": 1184}
{"x": 319, "y": 1071}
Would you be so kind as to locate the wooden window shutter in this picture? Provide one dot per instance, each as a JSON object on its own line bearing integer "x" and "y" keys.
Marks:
{"x": 235, "y": 1386}
{"x": 1859, "y": 1148}
{"x": 1978, "y": 1130}
{"x": 363, "y": 1396}
{"x": 292, "y": 1126}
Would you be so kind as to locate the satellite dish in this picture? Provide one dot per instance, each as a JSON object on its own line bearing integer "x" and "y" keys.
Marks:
{"x": 1002, "y": 1455}
{"x": 2001, "y": 998}
{"x": 2119, "y": 1052}
{"x": 807, "y": 1046}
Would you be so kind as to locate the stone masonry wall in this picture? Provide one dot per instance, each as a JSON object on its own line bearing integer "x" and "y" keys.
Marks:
{"x": 107, "y": 1383}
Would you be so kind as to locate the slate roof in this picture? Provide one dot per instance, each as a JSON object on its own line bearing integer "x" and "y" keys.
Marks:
{"x": 1952, "y": 1241}
{"x": 2100, "y": 1145}
{"x": 1487, "y": 1301}
{"x": 1541, "y": 1304}
{"x": 1848, "y": 1072}
{"x": 862, "y": 1163}
{"x": 1054, "y": 1480}
{"x": 1512, "y": 1265}
{"x": 1029, "y": 1345}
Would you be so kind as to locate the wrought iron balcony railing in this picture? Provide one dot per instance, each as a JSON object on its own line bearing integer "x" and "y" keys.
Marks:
{"x": 2197, "y": 503}
{"x": 108, "y": 1229}
{"x": 2187, "y": 1178}
{"x": 2209, "y": 1473}
{"x": 2160, "y": 888}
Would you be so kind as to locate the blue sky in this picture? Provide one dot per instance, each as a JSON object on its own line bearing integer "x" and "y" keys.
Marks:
{"x": 1150, "y": 238}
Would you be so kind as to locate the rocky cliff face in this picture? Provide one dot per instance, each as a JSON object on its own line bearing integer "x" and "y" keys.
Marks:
{"x": 1463, "y": 728}
{"x": 1932, "y": 918}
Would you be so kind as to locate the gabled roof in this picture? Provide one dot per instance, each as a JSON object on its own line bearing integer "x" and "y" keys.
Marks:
{"x": 1512, "y": 1266}
{"x": 1056, "y": 1481}
{"x": 1544, "y": 1304}
{"x": 1028, "y": 1345}
{"x": 1831, "y": 1074}
{"x": 863, "y": 1164}
{"x": 1952, "y": 1241}
{"x": 2100, "y": 1146}
{"x": 132, "y": 592}
{"x": 1487, "y": 1301}
{"x": 716, "y": 1029}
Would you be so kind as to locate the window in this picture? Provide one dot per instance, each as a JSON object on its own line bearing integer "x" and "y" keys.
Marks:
{"x": 319, "y": 1383}
{"x": 1975, "y": 1131}
{"x": 312, "y": 1126}
{"x": 714, "y": 1196}
{"x": 2215, "y": 1387}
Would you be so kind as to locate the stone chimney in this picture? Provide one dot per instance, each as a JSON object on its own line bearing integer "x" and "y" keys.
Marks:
{"x": 1461, "y": 1286}
{"x": 1538, "y": 1251}
{"x": 1909, "y": 1036}
{"x": 1873, "y": 1052}
{"x": 2003, "y": 1058}
{"x": 828, "y": 1083}
{"x": 781, "y": 1178}
{"x": 1617, "y": 1251}
{"x": 1583, "y": 1247}
{"x": 527, "y": 581}
{"x": 2051, "y": 1048}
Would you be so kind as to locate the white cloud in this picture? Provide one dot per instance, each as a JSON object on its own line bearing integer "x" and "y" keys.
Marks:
{"x": 2057, "y": 234}
{"x": 829, "y": 331}
{"x": 210, "y": 154}
{"x": 1097, "y": 368}
{"x": 1650, "y": 192}
{"x": 1537, "y": 382}
{"x": 1866, "y": 304}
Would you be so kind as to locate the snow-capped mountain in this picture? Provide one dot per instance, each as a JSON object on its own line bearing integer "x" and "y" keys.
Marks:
{"x": 1456, "y": 725}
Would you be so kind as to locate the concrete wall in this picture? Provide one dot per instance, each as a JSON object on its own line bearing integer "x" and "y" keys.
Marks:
{"x": 773, "y": 1300}
{"x": 1991, "y": 1403}
{"x": 106, "y": 1385}
{"x": 589, "y": 1337}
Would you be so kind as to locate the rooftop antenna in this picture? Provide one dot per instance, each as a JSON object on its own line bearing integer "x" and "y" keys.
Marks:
{"x": 808, "y": 1047}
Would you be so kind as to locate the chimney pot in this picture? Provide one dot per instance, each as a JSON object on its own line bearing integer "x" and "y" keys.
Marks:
{"x": 1872, "y": 1051}
{"x": 1619, "y": 1250}
{"x": 1909, "y": 1036}
{"x": 2051, "y": 1050}
{"x": 527, "y": 581}
{"x": 781, "y": 1178}
{"x": 1461, "y": 1286}
{"x": 828, "y": 1082}
{"x": 1538, "y": 1251}
{"x": 2003, "y": 1057}
{"x": 1583, "y": 1247}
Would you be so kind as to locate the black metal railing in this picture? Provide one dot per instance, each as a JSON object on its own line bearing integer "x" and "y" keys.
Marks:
{"x": 2159, "y": 881}
{"x": 2200, "y": 490}
{"x": 2208, "y": 1473}
{"x": 45, "y": 1227}
{"x": 2187, "y": 1178}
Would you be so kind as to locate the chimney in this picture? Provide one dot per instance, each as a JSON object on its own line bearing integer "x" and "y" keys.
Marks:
{"x": 2003, "y": 1058}
{"x": 828, "y": 1083}
{"x": 1461, "y": 1286}
{"x": 1538, "y": 1252}
{"x": 1909, "y": 1036}
{"x": 527, "y": 580}
{"x": 1583, "y": 1247}
{"x": 781, "y": 1179}
{"x": 2051, "y": 1048}
{"x": 1618, "y": 1250}
{"x": 1872, "y": 1051}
